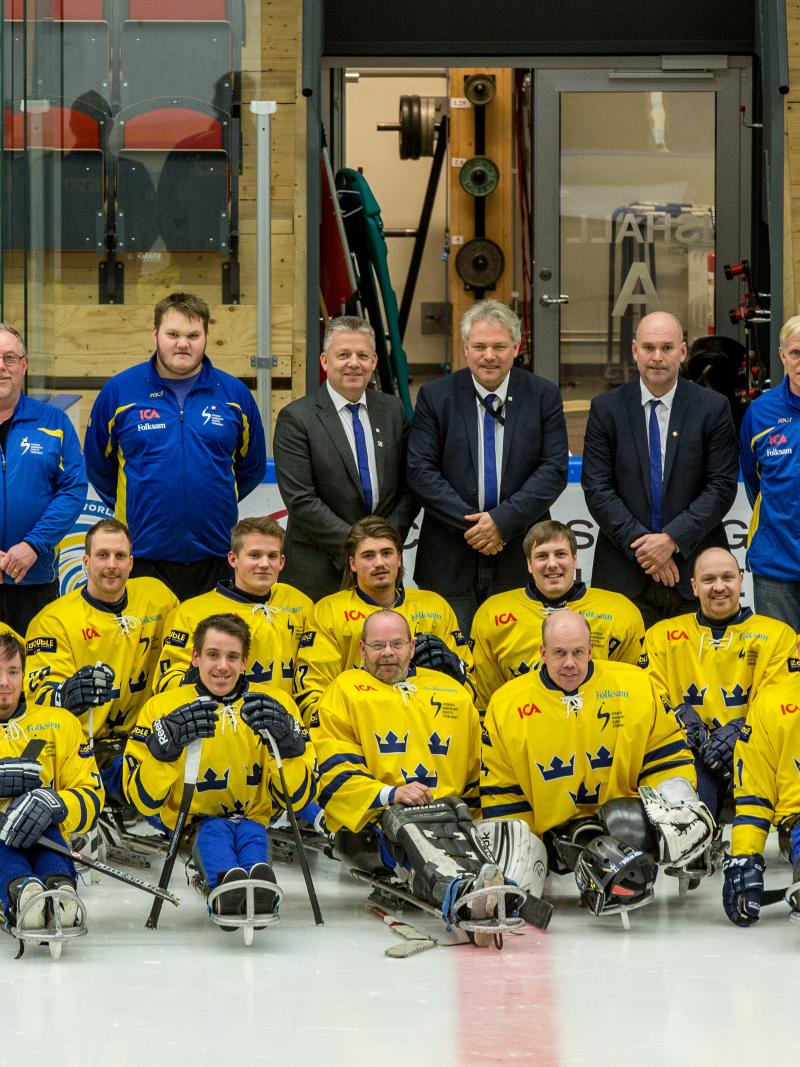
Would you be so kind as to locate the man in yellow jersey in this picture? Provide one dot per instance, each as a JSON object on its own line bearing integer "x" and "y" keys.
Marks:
{"x": 709, "y": 664}
{"x": 238, "y": 788}
{"x": 766, "y": 793}
{"x": 277, "y": 614}
{"x": 507, "y": 628}
{"x": 398, "y": 749}
{"x": 585, "y": 753}
{"x": 374, "y": 550}
{"x": 57, "y": 794}
{"x": 95, "y": 650}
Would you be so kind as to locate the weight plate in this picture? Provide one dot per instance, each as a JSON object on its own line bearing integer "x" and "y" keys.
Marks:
{"x": 479, "y": 176}
{"x": 480, "y": 263}
{"x": 427, "y": 136}
{"x": 405, "y": 127}
{"x": 479, "y": 89}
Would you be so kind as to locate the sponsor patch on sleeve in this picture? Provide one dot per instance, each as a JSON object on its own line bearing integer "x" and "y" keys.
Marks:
{"x": 307, "y": 640}
{"x": 485, "y": 738}
{"x": 139, "y": 733}
{"x": 85, "y": 751}
{"x": 459, "y": 638}
{"x": 40, "y": 644}
{"x": 793, "y": 663}
{"x": 177, "y": 638}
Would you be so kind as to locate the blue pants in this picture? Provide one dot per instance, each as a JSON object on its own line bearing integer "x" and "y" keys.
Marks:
{"x": 112, "y": 781}
{"x": 220, "y": 844}
{"x": 712, "y": 791}
{"x": 37, "y": 861}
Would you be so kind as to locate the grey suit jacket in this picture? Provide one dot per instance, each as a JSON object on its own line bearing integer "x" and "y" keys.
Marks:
{"x": 320, "y": 485}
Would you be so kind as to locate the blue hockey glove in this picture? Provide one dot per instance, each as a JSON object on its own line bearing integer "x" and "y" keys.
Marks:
{"x": 742, "y": 889}
{"x": 431, "y": 651}
{"x": 18, "y": 776}
{"x": 717, "y": 752}
{"x": 696, "y": 729}
{"x": 89, "y": 687}
{"x": 172, "y": 733}
{"x": 30, "y": 815}
{"x": 264, "y": 713}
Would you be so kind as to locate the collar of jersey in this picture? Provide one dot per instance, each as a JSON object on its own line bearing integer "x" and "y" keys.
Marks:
{"x": 576, "y": 592}
{"x": 548, "y": 682}
{"x": 101, "y": 605}
{"x": 228, "y": 589}
{"x": 238, "y": 690}
{"x": 401, "y": 595}
{"x": 719, "y": 626}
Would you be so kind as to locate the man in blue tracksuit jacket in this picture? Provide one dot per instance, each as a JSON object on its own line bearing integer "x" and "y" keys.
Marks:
{"x": 770, "y": 458}
{"x": 172, "y": 444}
{"x": 42, "y": 493}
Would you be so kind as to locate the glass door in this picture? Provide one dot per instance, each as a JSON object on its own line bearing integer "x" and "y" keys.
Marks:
{"x": 640, "y": 199}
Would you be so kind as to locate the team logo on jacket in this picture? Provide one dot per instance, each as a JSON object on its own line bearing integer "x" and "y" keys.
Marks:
{"x": 695, "y": 696}
{"x": 33, "y": 447}
{"x": 583, "y": 796}
{"x": 211, "y": 417}
{"x": 558, "y": 768}
{"x": 421, "y": 774}
{"x": 391, "y": 743}
{"x": 603, "y": 758}
{"x": 212, "y": 781}
{"x": 737, "y": 698}
{"x": 437, "y": 746}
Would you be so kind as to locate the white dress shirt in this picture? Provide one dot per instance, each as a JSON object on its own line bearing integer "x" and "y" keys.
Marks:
{"x": 501, "y": 392}
{"x": 662, "y": 414}
{"x": 340, "y": 403}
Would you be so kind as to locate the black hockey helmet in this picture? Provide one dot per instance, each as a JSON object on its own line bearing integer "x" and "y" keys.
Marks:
{"x": 613, "y": 876}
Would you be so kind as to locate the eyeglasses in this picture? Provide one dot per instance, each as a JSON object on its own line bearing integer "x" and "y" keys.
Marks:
{"x": 11, "y": 359}
{"x": 378, "y": 646}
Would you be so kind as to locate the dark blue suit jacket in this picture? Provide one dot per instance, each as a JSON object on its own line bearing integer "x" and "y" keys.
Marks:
{"x": 443, "y": 475}
{"x": 701, "y": 468}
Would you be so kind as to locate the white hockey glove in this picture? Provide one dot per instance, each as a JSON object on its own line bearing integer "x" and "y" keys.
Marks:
{"x": 684, "y": 824}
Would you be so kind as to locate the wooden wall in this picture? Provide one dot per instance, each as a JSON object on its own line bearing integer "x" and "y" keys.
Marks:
{"x": 74, "y": 337}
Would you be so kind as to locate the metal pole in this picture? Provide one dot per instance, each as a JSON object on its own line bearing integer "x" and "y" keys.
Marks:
{"x": 264, "y": 361}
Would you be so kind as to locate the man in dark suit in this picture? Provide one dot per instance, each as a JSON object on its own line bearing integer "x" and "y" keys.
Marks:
{"x": 487, "y": 456}
{"x": 660, "y": 467}
{"x": 339, "y": 455}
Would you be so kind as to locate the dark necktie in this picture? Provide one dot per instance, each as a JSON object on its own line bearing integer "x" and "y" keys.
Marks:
{"x": 362, "y": 456}
{"x": 489, "y": 456}
{"x": 656, "y": 478}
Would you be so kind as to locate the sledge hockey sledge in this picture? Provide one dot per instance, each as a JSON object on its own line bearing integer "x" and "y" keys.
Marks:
{"x": 249, "y": 919}
{"x": 54, "y": 934}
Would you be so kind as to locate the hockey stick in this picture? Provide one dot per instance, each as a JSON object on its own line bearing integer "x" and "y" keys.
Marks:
{"x": 415, "y": 940}
{"x": 159, "y": 892}
{"x": 301, "y": 852}
{"x": 32, "y": 751}
{"x": 190, "y": 769}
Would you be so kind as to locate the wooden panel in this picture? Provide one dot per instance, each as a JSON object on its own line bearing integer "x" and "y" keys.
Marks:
{"x": 499, "y": 204}
{"x": 76, "y": 337}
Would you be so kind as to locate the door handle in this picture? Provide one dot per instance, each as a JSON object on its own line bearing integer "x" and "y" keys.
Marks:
{"x": 546, "y": 301}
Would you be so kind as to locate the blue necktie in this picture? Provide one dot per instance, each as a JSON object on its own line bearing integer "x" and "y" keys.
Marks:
{"x": 489, "y": 457}
{"x": 656, "y": 478}
{"x": 361, "y": 456}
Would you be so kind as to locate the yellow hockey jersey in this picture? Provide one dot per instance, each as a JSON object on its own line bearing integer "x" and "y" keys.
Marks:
{"x": 550, "y": 757}
{"x": 276, "y": 623}
{"x": 237, "y": 774}
{"x": 76, "y": 630}
{"x": 370, "y": 736}
{"x": 766, "y": 767}
{"x": 331, "y": 644}
{"x": 507, "y": 632}
{"x": 718, "y": 669}
{"x": 68, "y": 765}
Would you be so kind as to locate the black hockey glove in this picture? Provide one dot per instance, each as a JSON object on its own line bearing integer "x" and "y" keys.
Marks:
{"x": 742, "y": 889}
{"x": 171, "y": 734}
{"x": 696, "y": 729}
{"x": 30, "y": 815}
{"x": 89, "y": 687}
{"x": 18, "y": 776}
{"x": 717, "y": 752}
{"x": 431, "y": 651}
{"x": 264, "y": 714}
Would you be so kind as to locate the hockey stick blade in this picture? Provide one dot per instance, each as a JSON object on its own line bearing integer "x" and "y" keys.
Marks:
{"x": 190, "y": 769}
{"x": 112, "y": 872}
{"x": 415, "y": 940}
{"x": 536, "y": 912}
